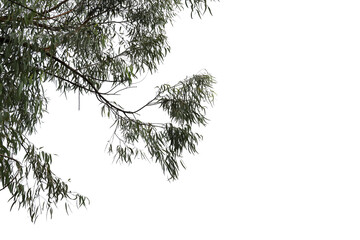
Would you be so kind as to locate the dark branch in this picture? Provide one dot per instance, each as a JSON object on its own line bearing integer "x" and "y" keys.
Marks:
{"x": 10, "y": 158}
{"x": 21, "y": 5}
{"x": 59, "y": 15}
{"x": 57, "y": 6}
{"x": 99, "y": 95}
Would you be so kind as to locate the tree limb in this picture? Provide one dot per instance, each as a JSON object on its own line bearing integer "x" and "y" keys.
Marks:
{"x": 55, "y": 7}
{"x": 59, "y": 15}
{"x": 10, "y": 158}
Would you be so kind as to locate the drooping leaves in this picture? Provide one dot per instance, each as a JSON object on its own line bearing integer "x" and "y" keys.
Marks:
{"x": 93, "y": 47}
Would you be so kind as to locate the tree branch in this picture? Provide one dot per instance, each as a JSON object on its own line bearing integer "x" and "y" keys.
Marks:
{"x": 84, "y": 88}
{"x": 93, "y": 89}
{"x": 147, "y": 104}
{"x": 7, "y": 18}
{"x": 40, "y": 14}
{"x": 59, "y": 15}
{"x": 6, "y": 185}
{"x": 10, "y": 158}
{"x": 53, "y": 8}
{"x": 21, "y": 5}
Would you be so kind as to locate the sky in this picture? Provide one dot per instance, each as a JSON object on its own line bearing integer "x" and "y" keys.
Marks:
{"x": 280, "y": 156}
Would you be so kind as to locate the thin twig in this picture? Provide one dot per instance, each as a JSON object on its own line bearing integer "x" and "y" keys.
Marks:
{"x": 57, "y": 6}
{"x": 10, "y": 158}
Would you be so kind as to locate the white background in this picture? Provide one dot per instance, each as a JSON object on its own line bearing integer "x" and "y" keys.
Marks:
{"x": 280, "y": 157}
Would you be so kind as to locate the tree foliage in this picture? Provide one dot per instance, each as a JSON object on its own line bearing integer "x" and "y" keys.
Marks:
{"x": 95, "y": 47}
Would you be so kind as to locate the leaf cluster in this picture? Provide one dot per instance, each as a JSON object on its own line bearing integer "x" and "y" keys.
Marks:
{"x": 165, "y": 142}
{"x": 184, "y": 102}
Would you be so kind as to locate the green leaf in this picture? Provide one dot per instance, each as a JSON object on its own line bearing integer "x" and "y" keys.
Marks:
{"x": 21, "y": 86}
